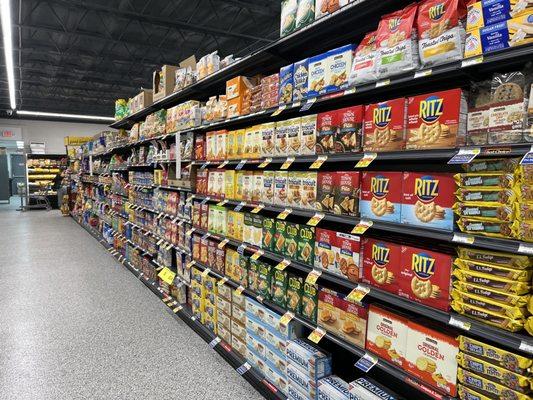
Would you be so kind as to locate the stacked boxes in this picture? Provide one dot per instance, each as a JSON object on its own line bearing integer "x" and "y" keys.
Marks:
{"x": 238, "y": 95}
{"x": 306, "y": 365}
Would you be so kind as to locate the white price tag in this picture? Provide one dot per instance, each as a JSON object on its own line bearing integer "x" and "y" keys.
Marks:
{"x": 384, "y": 82}
{"x": 458, "y": 323}
{"x": 472, "y": 61}
{"x": 421, "y": 74}
{"x": 465, "y": 239}
{"x": 465, "y": 156}
{"x": 367, "y": 362}
{"x": 526, "y": 346}
{"x": 308, "y": 104}
{"x": 214, "y": 342}
{"x": 525, "y": 248}
{"x": 243, "y": 368}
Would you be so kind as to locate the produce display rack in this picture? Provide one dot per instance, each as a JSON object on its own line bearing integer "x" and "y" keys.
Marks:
{"x": 254, "y": 377}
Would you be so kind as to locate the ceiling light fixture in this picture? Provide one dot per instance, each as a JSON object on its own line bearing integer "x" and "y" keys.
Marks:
{"x": 5, "y": 12}
{"x": 68, "y": 116}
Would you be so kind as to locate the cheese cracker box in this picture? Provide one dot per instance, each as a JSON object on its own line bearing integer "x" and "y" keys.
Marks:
{"x": 353, "y": 326}
{"x": 386, "y": 335}
{"x": 425, "y": 277}
{"x": 317, "y": 75}
{"x": 428, "y": 199}
{"x": 349, "y": 134}
{"x": 381, "y": 264}
{"x": 338, "y": 66}
{"x": 384, "y": 125}
{"x": 436, "y": 120}
{"x": 431, "y": 357}
{"x": 326, "y": 129}
{"x": 381, "y": 196}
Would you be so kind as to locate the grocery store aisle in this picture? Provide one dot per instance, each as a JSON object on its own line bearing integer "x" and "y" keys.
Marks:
{"x": 74, "y": 324}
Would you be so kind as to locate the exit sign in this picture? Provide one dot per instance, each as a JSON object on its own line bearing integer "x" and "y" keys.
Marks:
{"x": 7, "y": 134}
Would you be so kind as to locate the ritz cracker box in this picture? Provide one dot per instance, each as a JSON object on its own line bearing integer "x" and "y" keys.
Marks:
{"x": 381, "y": 264}
{"x": 384, "y": 125}
{"x": 381, "y": 196}
{"x": 425, "y": 277}
{"x": 428, "y": 200}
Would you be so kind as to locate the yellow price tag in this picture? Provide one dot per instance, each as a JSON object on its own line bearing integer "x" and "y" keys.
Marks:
{"x": 167, "y": 275}
{"x": 313, "y": 276}
{"x": 317, "y": 335}
{"x": 167, "y": 299}
{"x": 258, "y": 208}
{"x": 265, "y": 162}
{"x": 177, "y": 309}
{"x": 190, "y": 232}
{"x": 358, "y": 293}
{"x": 366, "y": 160}
{"x": 206, "y": 272}
{"x": 222, "y": 281}
{"x": 223, "y": 164}
{"x": 318, "y": 162}
{"x": 287, "y": 163}
{"x": 282, "y": 264}
{"x": 222, "y": 244}
{"x": 362, "y": 227}
{"x": 257, "y": 254}
{"x": 284, "y": 213}
{"x": 190, "y": 264}
{"x": 315, "y": 219}
{"x": 279, "y": 110}
{"x": 221, "y": 203}
{"x": 239, "y": 290}
{"x": 286, "y": 318}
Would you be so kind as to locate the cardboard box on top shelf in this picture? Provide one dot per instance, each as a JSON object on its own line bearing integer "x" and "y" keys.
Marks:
{"x": 236, "y": 87}
{"x": 142, "y": 100}
{"x": 164, "y": 81}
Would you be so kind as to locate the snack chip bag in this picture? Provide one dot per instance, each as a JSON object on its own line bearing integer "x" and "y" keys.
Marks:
{"x": 364, "y": 61}
{"x": 441, "y": 31}
{"x": 396, "y": 43}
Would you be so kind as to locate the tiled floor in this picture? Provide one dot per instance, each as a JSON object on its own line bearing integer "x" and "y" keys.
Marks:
{"x": 74, "y": 324}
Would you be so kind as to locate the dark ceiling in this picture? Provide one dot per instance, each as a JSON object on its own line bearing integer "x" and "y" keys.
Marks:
{"x": 79, "y": 56}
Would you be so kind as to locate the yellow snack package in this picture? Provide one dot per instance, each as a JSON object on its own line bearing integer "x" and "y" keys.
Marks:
{"x": 488, "y": 317}
{"x": 524, "y": 211}
{"x": 524, "y": 192}
{"x": 487, "y": 304}
{"x": 500, "y": 375}
{"x": 486, "y": 194}
{"x": 529, "y": 328}
{"x": 492, "y": 282}
{"x": 520, "y": 275}
{"x": 495, "y": 257}
{"x": 495, "y": 295}
{"x": 485, "y": 179}
{"x": 486, "y": 228}
{"x": 502, "y": 358}
{"x": 523, "y": 230}
{"x": 467, "y": 393}
{"x": 524, "y": 174}
{"x": 484, "y": 211}
{"x": 492, "y": 165}
{"x": 487, "y": 386}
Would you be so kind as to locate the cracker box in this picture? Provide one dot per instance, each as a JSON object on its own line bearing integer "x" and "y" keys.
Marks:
{"x": 384, "y": 125}
{"x": 279, "y": 288}
{"x": 308, "y": 134}
{"x": 367, "y": 388}
{"x": 339, "y": 63}
{"x": 280, "y": 188}
{"x": 257, "y": 233}
{"x": 280, "y": 141}
{"x": 353, "y": 324}
{"x": 381, "y": 196}
{"x": 346, "y": 199}
{"x": 308, "y": 189}
{"x": 381, "y": 264}
{"x": 436, "y": 120}
{"x": 267, "y": 193}
{"x": 295, "y": 286}
{"x": 310, "y": 301}
{"x": 294, "y": 136}
{"x": 333, "y": 388}
{"x": 308, "y": 358}
{"x": 431, "y": 357}
{"x": 349, "y": 134}
{"x": 301, "y": 78}
{"x": 269, "y": 230}
{"x": 230, "y": 145}
{"x": 303, "y": 382}
{"x": 229, "y": 184}
{"x": 325, "y": 192}
{"x": 387, "y": 334}
{"x": 317, "y": 75}
{"x": 211, "y": 145}
{"x": 268, "y": 132}
{"x": 327, "y": 126}
{"x": 305, "y": 243}
{"x": 294, "y": 189}
{"x": 425, "y": 277}
{"x": 427, "y": 200}
{"x": 257, "y": 186}
{"x": 280, "y": 236}
{"x": 286, "y": 84}
{"x": 324, "y": 250}
{"x": 329, "y": 310}
{"x": 290, "y": 247}
{"x": 347, "y": 248}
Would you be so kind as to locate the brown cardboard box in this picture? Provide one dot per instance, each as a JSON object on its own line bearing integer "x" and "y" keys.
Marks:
{"x": 142, "y": 100}
{"x": 236, "y": 107}
{"x": 164, "y": 81}
{"x": 236, "y": 87}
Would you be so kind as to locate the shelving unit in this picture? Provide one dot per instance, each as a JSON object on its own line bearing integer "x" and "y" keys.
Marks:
{"x": 42, "y": 171}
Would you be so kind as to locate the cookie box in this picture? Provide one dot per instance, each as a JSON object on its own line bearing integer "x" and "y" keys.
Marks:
{"x": 308, "y": 358}
{"x": 286, "y": 84}
{"x": 333, "y": 388}
{"x": 381, "y": 196}
{"x": 427, "y": 200}
{"x": 487, "y": 386}
{"x": 338, "y": 65}
{"x": 381, "y": 264}
{"x": 301, "y": 77}
{"x": 303, "y": 382}
{"x": 436, "y": 120}
{"x": 425, "y": 277}
{"x": 384, "y": 125}
{"x": 470, "y": 394}
{"x": 367, "y": 388}
{"x": 431, "y": 357}
{"x": 498, "y": 319}
{"x": 487, "y": 12}
{"x": 387, "y": 335}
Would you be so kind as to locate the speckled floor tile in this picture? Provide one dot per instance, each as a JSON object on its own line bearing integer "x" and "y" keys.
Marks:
{"x": 74, "y": 324}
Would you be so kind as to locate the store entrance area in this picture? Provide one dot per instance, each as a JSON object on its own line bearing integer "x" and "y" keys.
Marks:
{"x": 75, "y": 324}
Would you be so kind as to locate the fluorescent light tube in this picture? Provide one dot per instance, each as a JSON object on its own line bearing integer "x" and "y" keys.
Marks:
{"x": 60, "y": 115}
{"x": 5, "y": 12}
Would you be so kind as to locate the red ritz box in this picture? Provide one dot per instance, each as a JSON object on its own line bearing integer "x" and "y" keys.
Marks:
{"x": 381, "y": 196}
{"x": 381, "y": 264}
{"x": 428, "y": 199}
{"x": 348, "y": 137}
{"x": 327, "y": 125}
{"x": 384, "y": 126}
{"x": 436, "y": 120}
{"x": 425, "y": 277}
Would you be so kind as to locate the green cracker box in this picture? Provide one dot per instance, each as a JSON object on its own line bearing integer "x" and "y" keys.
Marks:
{"x": 265, "y": 280}
{"x": 279, "y": 288}
{"x": 310, "y": 301}
{"x": 269, "y": 230}
{"x": 295, "y": 288}
{"x": 291, "y": 241}
{"x": 306, "y": 244}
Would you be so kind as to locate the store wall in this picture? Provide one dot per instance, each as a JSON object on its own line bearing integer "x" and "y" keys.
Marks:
{"x": 52, "y": 133}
